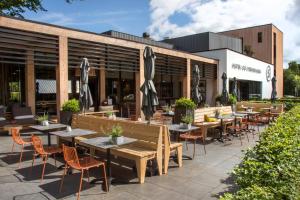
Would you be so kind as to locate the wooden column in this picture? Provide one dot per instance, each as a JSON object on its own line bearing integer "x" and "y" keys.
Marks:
{"x": 30, "y": 81}
{"x": 139, "y": 80}
{"x": 62, "y": 74}
{"x": 186, "y": 83}
{"x": 102, "y": 85}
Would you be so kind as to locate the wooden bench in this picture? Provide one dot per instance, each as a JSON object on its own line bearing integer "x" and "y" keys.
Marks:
{"x": 170, "y": 147}
{"x": 199, "y": 118}
{"x": 257, "y": 106}
{"x": 148, "y": 146}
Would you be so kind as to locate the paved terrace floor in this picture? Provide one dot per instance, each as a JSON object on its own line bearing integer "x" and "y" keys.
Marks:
{"x": 205, "y": 177}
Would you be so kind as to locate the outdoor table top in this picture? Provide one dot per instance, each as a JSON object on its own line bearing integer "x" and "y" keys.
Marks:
{"x": 105, "y": 142}
{"x": 74, "y": 133}
{"x": 49, "y": 127}
{"x": 240, "y": 114}
{"x": 168, "y": 114}
{"x": 249, "y": 113}
{"x": 179, "y": 128}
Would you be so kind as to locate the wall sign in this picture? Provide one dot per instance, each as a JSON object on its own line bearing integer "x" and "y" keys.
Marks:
{"x": 246, "y": 68}
{"x": 268, "y": 73}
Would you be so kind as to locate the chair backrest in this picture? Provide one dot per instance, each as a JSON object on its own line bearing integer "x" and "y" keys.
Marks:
{"x": 15, "y": 133}
{"x": 37, "y": 144}
{"x": 70, "y": 156}
{"x": 149, "y": 135}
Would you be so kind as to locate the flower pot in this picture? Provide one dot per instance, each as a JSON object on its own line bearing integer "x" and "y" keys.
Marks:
{"x": 187, "y": 126}
{"x": 45, "y": 123}
{"x": 69, "y": 129}
{"x": 66, "y": 117}
{"x": 118, "y": 140}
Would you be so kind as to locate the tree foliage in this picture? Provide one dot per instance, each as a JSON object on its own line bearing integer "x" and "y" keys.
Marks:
{"x": 17, "y": 8}
{"x": 291, "y": 79}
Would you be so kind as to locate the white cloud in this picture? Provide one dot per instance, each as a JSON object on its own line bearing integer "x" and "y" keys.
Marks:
{"x": 221, "y": 15}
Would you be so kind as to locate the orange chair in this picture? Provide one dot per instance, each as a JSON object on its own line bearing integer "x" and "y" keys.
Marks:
{"x": 193, "y": 136}
{"x": 44, "y": 153}
{"x": 18, "y": 140}
{"x": 82, "y": 164}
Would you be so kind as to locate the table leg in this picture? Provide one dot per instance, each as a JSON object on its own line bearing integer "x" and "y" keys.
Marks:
{"x": 49, "y": 139}
{"x": 108, "y": 163}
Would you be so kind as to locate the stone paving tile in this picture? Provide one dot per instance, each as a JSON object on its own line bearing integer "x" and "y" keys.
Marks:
{"x": 203, "y": 178}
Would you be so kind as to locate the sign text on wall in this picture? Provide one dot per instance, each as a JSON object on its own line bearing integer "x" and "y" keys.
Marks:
{"x": 246, "y": 68}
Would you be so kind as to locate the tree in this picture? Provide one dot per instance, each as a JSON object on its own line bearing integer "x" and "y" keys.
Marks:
{"x": 248, "y": 50}
{"x": 291, "y": 78}
{"x": 16, "y": 8}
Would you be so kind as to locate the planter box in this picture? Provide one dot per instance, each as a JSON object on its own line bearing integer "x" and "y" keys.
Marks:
{"x": 180, "y": 112}
{"x": 66, "y": 117}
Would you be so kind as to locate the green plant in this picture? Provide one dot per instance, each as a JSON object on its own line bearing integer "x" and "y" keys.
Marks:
{"x": 116, "y": 131}
{"x": 187, "y": 119}
{"x": 271, "y": 169}
{"x": 232, "y": 99}
{"x": 218, "y": 98}
{"x": 185, "y": 103}
{"x": 42, "y": 118}
{"x": 71, "y": 106}
{"x": 109, "y": 113}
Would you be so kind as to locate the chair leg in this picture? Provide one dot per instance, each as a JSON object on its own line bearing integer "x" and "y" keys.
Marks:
{"x": 44, "y": 166}
{"x": 88, "y": 175}
{"x": 54, "y": 157}
{"x": 105, "y": 178}
{"x": 63, "y": 177}
{"x": 179, "y": 156}
{"x": 247, "y": 136}
{"x": 240, "y": 136}
{"x": 33, "y": 159}
{"x": 80, "y": 185}
{"x": 141, "y": 169}
{"x": 21, "y": 155}
{"x": 12, "y": 148}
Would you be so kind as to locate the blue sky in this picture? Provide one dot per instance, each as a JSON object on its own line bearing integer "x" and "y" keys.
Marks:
{"x": 131, "y": 16}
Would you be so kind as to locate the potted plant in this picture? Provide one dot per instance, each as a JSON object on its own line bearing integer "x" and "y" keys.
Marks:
{"x": 232, "y": 102}
{"x": 68, "y": 109}
{"x": 43, "y": 119}
{"x": 111, "y": 115}
{"x": 183, "y": 107}
{"x": 218, "y": 100}
{"x": 217, "y": 113}
{"x": 187, "y": 121}
{"x": 116, "y": 134}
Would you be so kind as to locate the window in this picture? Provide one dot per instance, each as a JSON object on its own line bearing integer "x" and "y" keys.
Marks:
{"x": 259, "y": 37}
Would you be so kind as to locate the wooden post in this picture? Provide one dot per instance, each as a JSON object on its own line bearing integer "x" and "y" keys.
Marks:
{"x": 186, "y": 83}
{"x": 102, "y": 85}
{"x": 30, "y": 81}
{"x": 62, "y": 74}
{"x": 139, "y": 80}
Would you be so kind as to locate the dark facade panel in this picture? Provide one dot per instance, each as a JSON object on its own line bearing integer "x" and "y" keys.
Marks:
{"x": 191, "y": 43}
{"x": 205, "y": 42}
{"x": 134, "y": 38}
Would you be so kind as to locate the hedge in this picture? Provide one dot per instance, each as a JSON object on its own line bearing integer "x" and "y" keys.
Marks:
{"x": 271, "y": 169}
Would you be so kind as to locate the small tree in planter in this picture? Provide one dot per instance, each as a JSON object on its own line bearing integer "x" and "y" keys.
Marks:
{"x": 232, "y": 102}
{"x": 116, "y": 134}
{"x": 187, "y": 121}
{"x": 68, "y": 109}
{"x": 183, "y": 107}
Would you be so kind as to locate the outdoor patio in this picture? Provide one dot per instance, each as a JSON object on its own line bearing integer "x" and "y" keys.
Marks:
{"x": 205, "y": 177}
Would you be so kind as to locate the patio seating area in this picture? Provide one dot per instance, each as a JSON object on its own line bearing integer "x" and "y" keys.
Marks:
{"x": 204, "y": 177}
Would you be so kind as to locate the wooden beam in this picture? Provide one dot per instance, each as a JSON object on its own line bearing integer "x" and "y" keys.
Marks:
{"x": 30, "y": 81}
{"x": 186, "y": 83}
{"x": 62, "y": 74}
{"x": 139, "y": 80}
{"x": 102, "y": 85}
{"x": 59, "y": 31}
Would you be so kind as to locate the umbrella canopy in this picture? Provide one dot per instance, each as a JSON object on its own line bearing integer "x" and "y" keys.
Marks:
{"x": 274, "y": 92}
{"x": 196, "y": 95}
{"x": 85, "y": 96}
{"x": 234, "y": 88}
{"x": 224, "y": 98}
{"x": 150, "y": 100}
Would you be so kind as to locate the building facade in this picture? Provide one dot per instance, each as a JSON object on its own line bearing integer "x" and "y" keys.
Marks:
{"x": 266, "y": 42}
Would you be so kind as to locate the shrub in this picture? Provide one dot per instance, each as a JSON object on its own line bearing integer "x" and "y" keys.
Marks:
{"x": 71, "y": 106}
{"x": 187, "y": 119}
{"x": 43, "y": 117}
{"x": 116, "y": 131}
{"x": 232, "y": 99}
{"x": 271, "y": 169}
{"x": 185, "y": 103}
